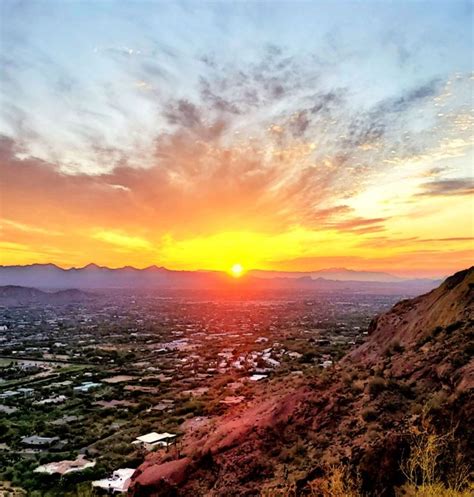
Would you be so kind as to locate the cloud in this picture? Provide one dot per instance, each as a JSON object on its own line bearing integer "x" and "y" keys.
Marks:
{"x": 387, "y": 242}
{"x": 123, "y": 240}
{"x": 411, "y": 97}
{"x": 360, "y": 225}
{"x": 447, "y": 187}
{"x": 8, "y": 224}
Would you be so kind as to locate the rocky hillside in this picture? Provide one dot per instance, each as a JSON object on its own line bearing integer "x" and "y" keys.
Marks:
{"x": 416, "y": 365}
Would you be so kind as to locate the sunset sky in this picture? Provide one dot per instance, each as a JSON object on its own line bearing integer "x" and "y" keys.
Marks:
{"x": 275, "y": 135}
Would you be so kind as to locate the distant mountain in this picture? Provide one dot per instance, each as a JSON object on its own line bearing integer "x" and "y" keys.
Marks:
{"x": 93, "y": 276}
{"x": 18, "y": 295}
{"x": 49, "y": 276}
{"x": 413, "y": 375}
{"x": 336, "y": 274}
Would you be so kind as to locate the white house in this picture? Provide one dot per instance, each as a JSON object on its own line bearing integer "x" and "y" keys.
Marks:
{"x": 153, "y": 439}
{"x": 85, "y": 387}
{"x": 118, "y": 482}
{"x": 257, "y": 377}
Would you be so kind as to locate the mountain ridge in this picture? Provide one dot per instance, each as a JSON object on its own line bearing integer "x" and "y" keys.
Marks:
{"x": 92, "y": 276}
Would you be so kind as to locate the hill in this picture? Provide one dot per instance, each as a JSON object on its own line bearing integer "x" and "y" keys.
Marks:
{"x": 415, "y": 372}
{"x": 11, "y": 295}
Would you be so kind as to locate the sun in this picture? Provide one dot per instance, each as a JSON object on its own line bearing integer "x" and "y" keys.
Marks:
{"x": 236, "y": 270}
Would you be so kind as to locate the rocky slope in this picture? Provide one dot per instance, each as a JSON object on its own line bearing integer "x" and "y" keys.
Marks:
{"x": 418, "y": 358}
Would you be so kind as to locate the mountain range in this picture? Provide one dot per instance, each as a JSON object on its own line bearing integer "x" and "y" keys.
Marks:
{"x": 50, "y": 276}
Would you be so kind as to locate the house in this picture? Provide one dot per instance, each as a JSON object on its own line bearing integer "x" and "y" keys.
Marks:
{"x": 26, "y": 391}
{"x": 257, "y": 377}
{"x": 153, "y": 439}
{"x": 85, "y": 387}
{"x": 39, "y": 442}
{"x": 7, "y": 409}
{"x": 63, "y": 467}
{"x": 118, "y": 482}
{"x": 9, "y": 393}
{"x": 59, "y": 399}
{"x": 163, "y": 405}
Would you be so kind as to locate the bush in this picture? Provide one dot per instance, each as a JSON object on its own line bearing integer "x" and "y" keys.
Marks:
{"x": 393, "y": 348}
{"x": 338, "y": 482}
{"x": 429, "y": 451}
{"x": 376, "y": 385}
{"x": 369, "y": 414}
{"x": 434, "y": 490}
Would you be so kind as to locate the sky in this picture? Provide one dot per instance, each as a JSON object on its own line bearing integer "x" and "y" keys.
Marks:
{"x": 277, "y": 135}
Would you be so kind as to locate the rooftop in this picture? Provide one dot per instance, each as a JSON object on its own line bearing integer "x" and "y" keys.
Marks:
{"x": 155, "y": 437}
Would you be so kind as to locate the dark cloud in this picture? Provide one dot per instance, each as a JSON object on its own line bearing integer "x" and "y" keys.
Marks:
{"x": 359, "y": 225}
{"x": 215, "y": 101}
{"x": 184, "y": 113}
{"x": 325, "y": 101}
{"x": 409, "y": 98}
{"x": 447, "y": 187}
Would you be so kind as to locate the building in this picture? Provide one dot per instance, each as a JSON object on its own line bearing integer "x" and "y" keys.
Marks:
{"x": 257, "y": 377}
{"x": 63, "y": 467}
{"x": 118, "y": 482}
{"x": 153, "y": 440}
{"x": 59, "y": 399}
{"x": 85, "y": 387}
{"x": 39, "y": 442}
{"x": 26, "y": 391}
{"x": 9, "y": 393}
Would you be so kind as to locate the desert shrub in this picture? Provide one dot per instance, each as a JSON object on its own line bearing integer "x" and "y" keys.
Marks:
{"x": 454, "y": 326}
{"x": 434, "y": 490}
{"x": 393, "y": 405}
{"x": 308, "y": 357}
{"x": 437, "y": 401}
{"x": 192, "y": 406}
{"x": 369, "y": 414}
{"x": 338, "y": 482}
{"x": 428, "y": 451}
{"x": 376, "y": 385}
{"x": 394, "y": 347}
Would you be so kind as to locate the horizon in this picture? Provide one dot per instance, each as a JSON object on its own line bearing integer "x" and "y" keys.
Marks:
{"x": 238, "y": 135}
{"x": 243, "y": 271}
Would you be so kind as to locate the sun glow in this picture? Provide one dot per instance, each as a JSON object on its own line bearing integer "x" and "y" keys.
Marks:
{"x": 236, "y": 270}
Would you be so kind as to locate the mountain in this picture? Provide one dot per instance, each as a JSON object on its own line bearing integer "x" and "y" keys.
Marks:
{"x": 335, "y": 274}
{"x": 49, "y": 276}
{"x": 93, "y": 276}
{"x": 414, "y": 374}
{"x": 11, "y": 295}
{"x": 411, "y": 322}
